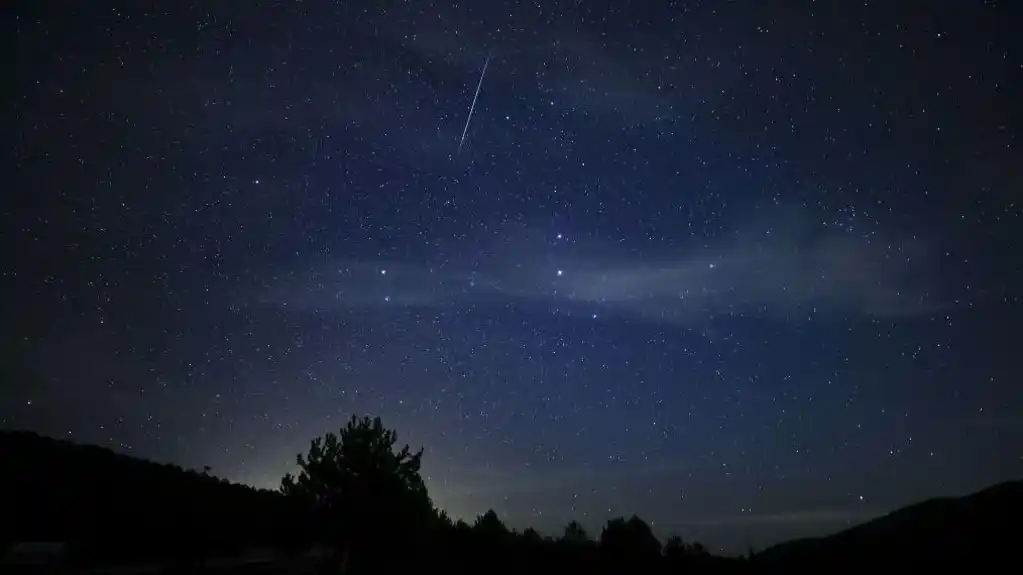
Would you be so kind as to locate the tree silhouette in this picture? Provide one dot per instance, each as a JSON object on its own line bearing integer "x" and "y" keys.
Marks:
{"x": 444, "y": 520}
{"x": 674, "y": 548}
{"x": 629, "y": 541}
{"x": 490, "y": 526}
{"x": 575, "y": 534}
{"x": 696, "y": 549}
{"x": 679, "y": 554}
{"x": 362, "y": 489}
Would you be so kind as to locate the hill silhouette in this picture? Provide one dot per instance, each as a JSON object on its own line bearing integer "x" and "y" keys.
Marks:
{"x": 360, "y": 496}
{"x": 113, "y": 508}
{"x": 981, "y": 526}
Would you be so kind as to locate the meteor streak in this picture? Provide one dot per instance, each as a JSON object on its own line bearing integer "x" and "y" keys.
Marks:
{"x": 473, "y": 106}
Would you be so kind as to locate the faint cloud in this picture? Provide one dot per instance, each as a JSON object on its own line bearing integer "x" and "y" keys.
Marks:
{"x": 837, "y": 274}
{"x": 788, "y": 276}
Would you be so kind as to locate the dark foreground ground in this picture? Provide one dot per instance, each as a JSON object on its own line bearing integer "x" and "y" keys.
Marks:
{"x": 314, "y": 563}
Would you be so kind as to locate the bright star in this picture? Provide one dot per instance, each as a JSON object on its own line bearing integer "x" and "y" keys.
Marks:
{"x": 559, "y": 273}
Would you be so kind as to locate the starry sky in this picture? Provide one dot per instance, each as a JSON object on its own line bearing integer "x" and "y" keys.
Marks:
{"x": 748, "y": 269}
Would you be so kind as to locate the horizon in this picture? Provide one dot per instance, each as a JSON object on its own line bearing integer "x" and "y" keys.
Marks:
{"x": 838, "y": 520}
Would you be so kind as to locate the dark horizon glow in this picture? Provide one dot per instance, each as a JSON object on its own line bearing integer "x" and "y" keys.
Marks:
{"x": 748, "y": 270}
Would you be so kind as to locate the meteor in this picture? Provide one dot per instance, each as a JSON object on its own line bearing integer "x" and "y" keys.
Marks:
{"x": 473, "y": 106}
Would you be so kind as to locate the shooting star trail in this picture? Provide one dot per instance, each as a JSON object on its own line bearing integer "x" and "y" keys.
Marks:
{"x": 472, "y": 108}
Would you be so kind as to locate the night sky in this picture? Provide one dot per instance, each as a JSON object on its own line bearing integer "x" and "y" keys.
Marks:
{"x": 749, "y": 269}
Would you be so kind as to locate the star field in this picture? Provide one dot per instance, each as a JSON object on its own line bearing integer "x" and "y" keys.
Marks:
{"x": 747, "y": 269}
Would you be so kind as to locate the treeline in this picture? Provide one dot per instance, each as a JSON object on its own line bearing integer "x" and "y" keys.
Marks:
{"x": 115, "y": 509}
{"x": 622, "y": 546}
{"x": 357, "y": 495}
{"x": 373, "y": 505}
